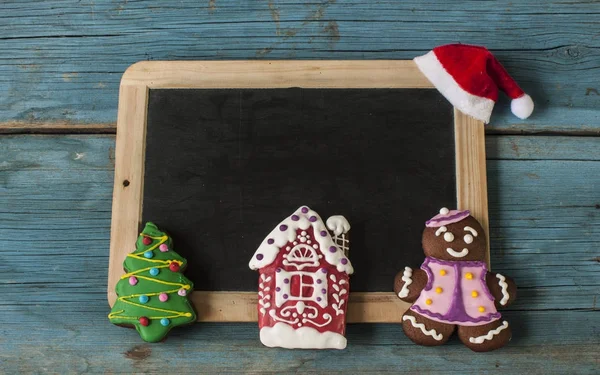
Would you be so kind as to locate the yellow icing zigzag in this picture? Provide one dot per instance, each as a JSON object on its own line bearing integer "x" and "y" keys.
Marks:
{"x": 176, "y": 314}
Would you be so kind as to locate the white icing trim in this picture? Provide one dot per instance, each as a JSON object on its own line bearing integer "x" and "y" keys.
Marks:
{"x": 406, "y": 277}
{"x": 281, "y": 238}
{"x": 473, "y": 105}
{"x": 441, "y": 230}
{"x": 457, "y": 254}
{"x": 490, "y": 335}
{"x": 469, "y": 229}
{"x": 432, "y": 332}
{"x": 338, "y": 225}
{"x": 504, "y": 285}
{"x": 284, "y": 336}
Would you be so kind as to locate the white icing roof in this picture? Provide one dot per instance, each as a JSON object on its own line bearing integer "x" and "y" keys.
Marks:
{"x": 285, "y": 232}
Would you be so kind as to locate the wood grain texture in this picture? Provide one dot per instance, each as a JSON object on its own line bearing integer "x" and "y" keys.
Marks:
{"x": 63, "y": 60}
{"x": 56, "y": 199}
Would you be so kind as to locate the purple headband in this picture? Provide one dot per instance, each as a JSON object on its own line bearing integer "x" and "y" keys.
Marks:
{"x": 446, "y": 217}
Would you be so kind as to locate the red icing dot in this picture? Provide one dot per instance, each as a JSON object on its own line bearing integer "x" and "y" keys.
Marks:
{"x": 147, "y": 240}
{"x": 174, "y": 267}
{"x": 144, "y": 321}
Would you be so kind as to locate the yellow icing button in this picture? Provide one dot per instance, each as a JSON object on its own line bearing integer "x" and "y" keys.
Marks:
{"x": 443, "y": 272}
{"x": 428, "y": 301}
{"x": 481, "y": 309}
{"x": 474, "y": 294}
{"x": 438, "y": 290}
{"x": 469, "y": 276}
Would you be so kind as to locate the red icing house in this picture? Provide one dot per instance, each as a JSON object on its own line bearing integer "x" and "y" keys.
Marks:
{"x": 303, "y": 283}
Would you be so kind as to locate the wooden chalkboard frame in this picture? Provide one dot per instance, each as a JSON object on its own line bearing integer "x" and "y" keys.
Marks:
{"x": 217, "y": 306}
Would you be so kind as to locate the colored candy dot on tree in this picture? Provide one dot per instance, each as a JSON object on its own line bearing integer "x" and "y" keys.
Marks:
{"x": 154, "y": 271}
{"x": 133, "y": 280}
{"x": 165, "y": 322}
{"x": 144, "y": 321}
{"x": 174, "y": 266}
{"x": 182, "y": 292}
{"x": 163, "y": 297}
{"x": 163, "y": 247}
{"x": 143, "y": 298}
{"x": 146, "y": 240}
{"x": 148, "y": 254}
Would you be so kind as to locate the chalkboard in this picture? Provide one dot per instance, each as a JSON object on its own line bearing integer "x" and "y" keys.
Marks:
{"x": 222, "y": 166}
{"x": 225, "y": 166}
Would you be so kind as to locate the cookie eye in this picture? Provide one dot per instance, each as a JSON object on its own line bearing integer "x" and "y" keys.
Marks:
{"x": 468, "y": 238}
{"x": 448, "y": 236}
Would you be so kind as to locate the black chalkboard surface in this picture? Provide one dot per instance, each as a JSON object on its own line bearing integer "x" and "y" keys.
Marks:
{"x": 224, "y": 166}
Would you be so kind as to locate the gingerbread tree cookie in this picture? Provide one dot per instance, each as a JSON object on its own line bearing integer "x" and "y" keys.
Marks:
{"x": 153, "y": 293}
{"x": 454, "y": 290}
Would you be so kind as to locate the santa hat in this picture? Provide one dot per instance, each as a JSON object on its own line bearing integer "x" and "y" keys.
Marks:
{"x": 469, "y": 77}
{"x": 446, "y": 217}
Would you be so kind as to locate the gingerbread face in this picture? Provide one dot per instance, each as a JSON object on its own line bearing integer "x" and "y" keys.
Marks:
{"x": 462, "y": 240}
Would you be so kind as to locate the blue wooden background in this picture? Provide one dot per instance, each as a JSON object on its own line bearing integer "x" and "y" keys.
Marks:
{"x": 60, "y": 65}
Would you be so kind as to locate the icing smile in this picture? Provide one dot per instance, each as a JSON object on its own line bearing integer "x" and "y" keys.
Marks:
{"x": 457, "y": 254}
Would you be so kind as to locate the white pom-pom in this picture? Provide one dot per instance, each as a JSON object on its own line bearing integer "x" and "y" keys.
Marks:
{"x": 444, "y": 211}
{"x": 522, "y": 107}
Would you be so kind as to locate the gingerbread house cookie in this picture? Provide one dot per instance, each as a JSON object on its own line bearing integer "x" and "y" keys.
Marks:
{"x": 303, "y": 282}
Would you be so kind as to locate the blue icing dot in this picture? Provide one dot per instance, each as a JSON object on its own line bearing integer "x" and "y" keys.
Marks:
{"x": 148, "y": 254}
{"x": 143, "y": 298}
{"x": 154, "y": 271}
{"x": 165, "y": 322}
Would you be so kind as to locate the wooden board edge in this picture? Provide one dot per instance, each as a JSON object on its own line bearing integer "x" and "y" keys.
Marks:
{"x": 129, "y": 182}
{"x": 471, "y": 175}
{"x": 276, "y": 74}
{"x": 363, "y": 307}
{"x": 471, "y": 178}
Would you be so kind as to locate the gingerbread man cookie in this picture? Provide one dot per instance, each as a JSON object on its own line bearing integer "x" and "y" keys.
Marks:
{"x": 453, "y": 289}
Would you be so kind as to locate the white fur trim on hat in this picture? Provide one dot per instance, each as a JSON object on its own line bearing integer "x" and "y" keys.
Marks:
{"x": 476, "y": 106}
{"x": 522, "y": 107}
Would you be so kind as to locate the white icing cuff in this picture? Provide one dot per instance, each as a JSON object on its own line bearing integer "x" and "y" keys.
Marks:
{"x": 407, "y": 278}
{"x": 490, "y": 335}
{"x": 504, "y": 286}
{"x": 284, "y": 336}
{"x": 432, "y": 332}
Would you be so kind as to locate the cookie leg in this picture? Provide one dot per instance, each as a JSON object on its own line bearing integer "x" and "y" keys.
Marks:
{"x": 486, "y": 337}
{"x": 424, "y": 331}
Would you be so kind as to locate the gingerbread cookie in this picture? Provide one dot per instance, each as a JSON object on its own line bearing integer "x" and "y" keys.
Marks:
{"x": 153, "y": 293}
{"x": 453, "y": 289}
{"x": 303, "y": 282}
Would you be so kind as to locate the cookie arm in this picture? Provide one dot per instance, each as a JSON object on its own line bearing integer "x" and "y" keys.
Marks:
{"x": 503, "y": 288}
{"x": 409, "y": 283}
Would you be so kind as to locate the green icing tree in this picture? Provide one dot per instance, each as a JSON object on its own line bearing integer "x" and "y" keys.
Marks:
{"x": 153, "y": 294}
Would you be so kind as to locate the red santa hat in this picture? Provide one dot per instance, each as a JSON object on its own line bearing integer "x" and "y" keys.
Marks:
{"x": 469, "y": 77}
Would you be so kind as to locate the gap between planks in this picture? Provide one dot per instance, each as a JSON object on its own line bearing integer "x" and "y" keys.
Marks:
{"x": 69, "y": 128}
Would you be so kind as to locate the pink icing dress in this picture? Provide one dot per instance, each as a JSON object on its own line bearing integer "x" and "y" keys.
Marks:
{"x": 456, "y": 293}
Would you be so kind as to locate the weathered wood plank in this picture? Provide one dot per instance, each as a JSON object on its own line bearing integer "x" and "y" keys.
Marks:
{"x": 62, "y": 61}
{"x": 61, "y": 340}
{"x": 56, "y": 199}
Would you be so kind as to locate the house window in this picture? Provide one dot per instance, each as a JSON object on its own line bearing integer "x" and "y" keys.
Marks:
{"x": 301, "y": 256}
{"x": 300, "y": 286}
